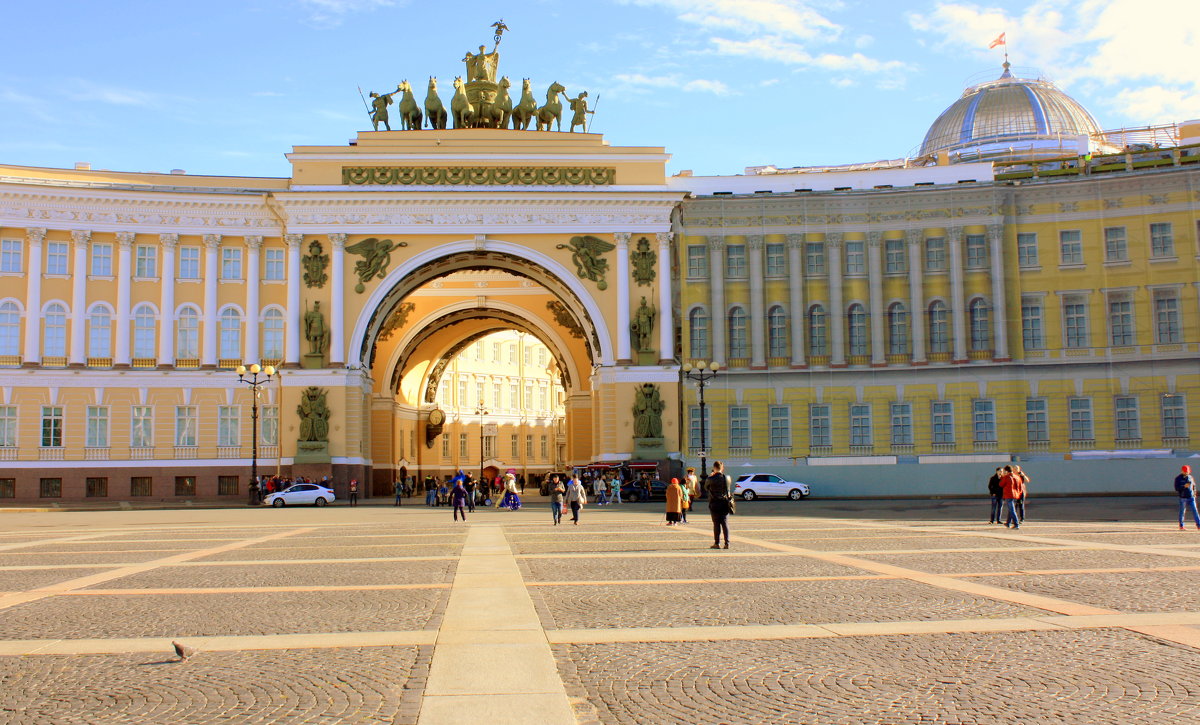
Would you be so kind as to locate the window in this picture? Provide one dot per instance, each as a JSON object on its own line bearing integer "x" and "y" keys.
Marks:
{"x": 694, "y": 437}
{"x": 737, "y": 333}
{"x": 698, "y": 333}
{"x": 227, "y": 485}
{"x": 189, "y": 263}
{"x": 735, "y": 260}
{"x": 984, "y": 412}
{"x": 897, "y": 329}
{"x": 231, "y": 334}
{"x": 1115, "y": 247}
{"x": 97, "y": 426}
{"x": 697, "y": 260}
{"x": 479, "y": 394}
{"x": 268, "y": 425}
{"x": 857, "y": 323}
{"x": 977, "y": 251}
{"x": 56, "y": 258}
{"x": 1162, "y": 240}
{"x": 10, "y": 329}
{"x": 1037, "y": 426}
{"x": 231, "y": 263}
{"x": 512, "y": 354}
{"x": 273, "y": 268}
{"x": 860, "y": 424}
{"x": 514, "y": 397}
{"x": 141, "y": 429}
{"x": 776, "y": 260}
{"x": 902, "y": 425}
{"x": 514, "y": 447}
{"x": 814, "y": 258}
{"x": 11, "y": 253}
{"x": 185, "y": 485}
{"x": 528, "y": 447}
{"x": 1120, "y": 320}
{"x": 52, "y": 426}
{"x": 817, "y": 328}
{"x": 140, "y": 486}
{"x": 935, "y": 254}
{"x": 1166, "y": 317}
{"x": 144, "y": 329}
{"x": 1075, "y": 320}
{"x": 1070, "y": 243}
{"x": 543, "y": 398}
{"x": 780, "y": 427}
{"x": 497, "y": 396}
{"x": 777, "y": 332}
{"x": 8, "y": 488}
{"x": 495, "y": 352}
{"x": 942, "y": 418}
{"x": 1031, "y": 324}
{"x": 185, "y": 426}
{"x": 50, "y": 488}
{"x": 856, "y": 263}
{"x": 146, "y": 262}
{"x": 462, "y": 393}
{"x": 1080, "y": 410}
{"x": 1027, "y": 249}
{"x": 8, "y": 426}
{"x": 545, "y": 447}
{"x": 939, "y": 327}
{"x": 981, "y": 326}
{"x": 462, "y": 445}
{"x": 895, "y": 261}
{"x": 527, "y": 352}
{"x": 1125, "y": 409}
{"x": 541, "y": 357}
{"x": 272, "y": 335}
{"x": 96, "y": 487}
{"x": 819, "y": 427}
{"x": 446, "y": 445}
{"x": 187, "y": 334}
{"x": 100, "y": 332}
{"x": 1174, "y": 418}
{"x": 739, "y": 426}
{"x": 54, "y": 331}
{"x": 228, "y": 430}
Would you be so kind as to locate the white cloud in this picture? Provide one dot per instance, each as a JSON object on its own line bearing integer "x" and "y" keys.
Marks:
{"x": 779, "y": 50}
{"x": 705, "y": 86}
{"x": 698, "y": 85}
{"x": 792, "y": 18}
{"x": 330, "y": 13}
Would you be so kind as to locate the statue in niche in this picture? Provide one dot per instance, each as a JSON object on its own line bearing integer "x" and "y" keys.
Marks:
{"x": 647, "y": 412}
{"x": 585, "y": 253}
{"x": 643, "y": 260}
{"x": 376, "y": 255}
{"x": 315, "y": 264}
{"x": 642, "y": 326}
{"x": 314, "y": 415}
{"x": 316, "y": 331}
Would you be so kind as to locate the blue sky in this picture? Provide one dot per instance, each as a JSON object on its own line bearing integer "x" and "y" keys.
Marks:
{"x": 229, "y": 86}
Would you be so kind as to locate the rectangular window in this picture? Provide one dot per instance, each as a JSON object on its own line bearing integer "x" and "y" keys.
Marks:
{"x": 56, "y": 258}
{"x": 231, "y": 263}
{"x": 140, "y": 486}
{"x": 141, "y": 429}
{"x": 543, "y": 398}
{"x": 942, "y": 418}
{"x": 462, "y": 393}
{"x": 529, "y": 447}
{"x": 495, "y": 352}
{"x": 894, "y": 252}
{"x": 902, "y": 425}
{"x": 977, "y": 251}
{"x": 8, "y": 426}
{"x": 101, "y": 260}
{"x": 1174, "y": 417}
{"x": 1027, "y": 249}
{"x": 146, "y": 262}
{"x": 695, "y": 440}
{"x": 528, "y": 396}
{"x": 860, "y": 424}
{"x": 52, "y": 426}
{"x": 462, "y": 445}
{"x": 1166, "y": 317}
{"x": 1080, "y": 410}
{"x": 1125, "y": 409}
{"x": 514, "y": 397}
{"x": 268, "y": 426}
{"x": 776, "y": 260}
{"x": 497, "y": 396}
{"x": 228, "y": 430}
{"x": 545, "y": 447}
{"x": 8, "y": 488}
{"x": 856, "y": 263}
{"x": 780, "y": 426}
{"x": 227, "y": 485}
{"x": 819, "y": 426}
{"x": 1075, "y": 320}
{"x": 96, "y": 487}
{"x": 11, "y": 253}
{"x": 1070, "y": 244}
{"x": 697, "y": 260}
{"x": 1162, "y": 240}
{"x": 50, "y": 488}
{"x": 814, "y": 258}
{"x": 935, "y": 254}
{"x": 185, "y": 485}
{"x": 512, "y": 354}
{"x": 189, "y": 263}
{"x": 185, "y": 426}
{"x": 489, "y": 446}
{"x": 514, "y": 447}
{"x": 1120, "y": 320}
{"x": 1037, "y": 425}
{"x": 984, "y": 412}
{"x": 1116, "y": 249}
{"x": 274, "y": 266}
{"x": 735, "y": 260}
{"x": 526, "y": 353}
{"x": 479, "y": 394}
{"x": 1031, "y": 324}
{"x": 97, "y": 426}
{"x": 445, "y": 445}
{"x": 739, "y": 426}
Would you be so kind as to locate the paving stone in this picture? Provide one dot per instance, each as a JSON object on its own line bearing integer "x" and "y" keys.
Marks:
{"x": 719, "y": 566}
{"x": 964, "y": 562}
{"x": 1123, "y": 591}
{"x": 348, "y": 574}
{"x": 304, "y": 552}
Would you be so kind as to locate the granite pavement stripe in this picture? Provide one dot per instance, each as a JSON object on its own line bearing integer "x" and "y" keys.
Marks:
{"x": 713, "y": 580}
{"x": 255, "y": 590}
{"x": 223, "y": 643}
{"x": 43, "y": 541}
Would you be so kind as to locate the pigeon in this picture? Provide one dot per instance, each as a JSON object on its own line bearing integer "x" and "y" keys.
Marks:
{"x": 183, "y": 650}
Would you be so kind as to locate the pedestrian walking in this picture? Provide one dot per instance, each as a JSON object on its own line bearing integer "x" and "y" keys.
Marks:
{"x": 458, "y": 499}
{"x": 557, "y": 491}
{"x": 719, "y": 503}
{"x": 614, "y": 486}
{"x": 1185, "y": 487}
{"x": 598, "y": 487}
{"x": 687, "y": 501}
{"x": 1024, "y": 492}
{"x": 354, "y": 492}
{"x": 399, "y": 491}
{"x": 996, "y": 493}
{"x": 430, "y": 491}
{"x": 472, "y": 492}
{"x": 1011, "y": 485}
{"x": 693, "y": 483}
{"x": 575, "y": 497}
{"x": 674, "y": 502}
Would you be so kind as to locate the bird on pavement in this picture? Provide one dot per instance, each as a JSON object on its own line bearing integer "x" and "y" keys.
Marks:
{"x": 183, "y": 650}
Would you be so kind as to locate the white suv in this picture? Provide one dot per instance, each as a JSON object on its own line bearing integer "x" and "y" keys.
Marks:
{"x": 757, "y": 485}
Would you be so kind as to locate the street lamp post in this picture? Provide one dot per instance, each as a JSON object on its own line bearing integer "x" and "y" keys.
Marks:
{"x": 701, "y": 374}
{"x": 255, "y": 377}
{"x": 481, "y": 411}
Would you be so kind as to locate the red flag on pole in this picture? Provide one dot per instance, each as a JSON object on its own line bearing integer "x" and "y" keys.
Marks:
{"x": 998, "y": 41}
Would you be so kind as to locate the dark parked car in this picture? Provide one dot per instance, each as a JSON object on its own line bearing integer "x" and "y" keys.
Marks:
{"x": 634, "y": 491}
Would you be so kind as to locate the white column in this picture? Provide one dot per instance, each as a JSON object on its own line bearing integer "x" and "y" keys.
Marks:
{"x": 253, "y": 279}
{"x": 291, "y": 333}
{"x": 78, "y": 354}
{"x": 796, "y": 296}
{"x": 716, "y": 290}
{"x": 758, "y": 313}
{"x": 337, "y": 301}
{"x": 208, "y": 355}
{"x": 666, "y": 321}
{"x": 33, "y": 297}
{"x": 916, "y": 294}
{"x": 837, "y": 312}
{"x": 124, "y": 281}
{"x": 166, "y": 315}
{"x": 958, "y": 312}
{"x": 875, "y": 283}
{"x": 624, "y": 354}
{"x": 999, "y": 302}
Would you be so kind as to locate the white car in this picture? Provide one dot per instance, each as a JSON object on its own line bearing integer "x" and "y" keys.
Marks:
{"x": 758, "y": 485}
{"x": 300, "y": 493}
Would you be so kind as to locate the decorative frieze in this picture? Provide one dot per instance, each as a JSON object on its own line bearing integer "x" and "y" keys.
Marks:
{"x": 479, "y": 175}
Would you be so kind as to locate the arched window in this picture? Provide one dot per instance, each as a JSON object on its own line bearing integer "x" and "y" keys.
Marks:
{"x": 897, "y": 329}
{"x": 737, "y": 333}
{"x": 981, "y": 325}
{"x": 231, "y": 335}
{"x": 856, "y": 320}
{"x": 939, "y": 329}
{"x": 187, "y": 334}
{"x": 272, "y": 335}
{"x": 100, "y": 332}
{"x": 818, "y": 340}
{"x": 777, "y": 332}
{"x": 10, "y": 329}
{"x": 144, "y": 329}
{"x": 54, "y": 331}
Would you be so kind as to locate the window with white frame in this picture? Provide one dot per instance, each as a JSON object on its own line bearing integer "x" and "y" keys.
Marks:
{"x": 1162, "y": 240}
{"x": 273, "y": 265}
{"x": 102, "y": 260}
{"x": 980, "y": 314}
{"x": 739, "y": 426}
{"x": 11, "y": 256}
{"x": 529, "y": 447}
{"x": 446, "y": 445}
{"x": 528, "y": 396}
{"x": 1174, "y": 416}
{"x": 97, "y": 426}
{"x": 52, "y": 426}
{"x": 939, "y": 327}
{"x": 462, "y": 445}
{"x": 1070, "y": 245}
{"x": 860, "y": 424}
{"x": 1116, "y": 247}
{"x": 977, "y": 251}
{"x": 512, "y": 354}
{"x": 100, "y": 332}
{"x": 479, "y": 394}
{"x": 697, "y": 261}
{"x": 189, "y": 263}
{"x": 544, "y": 447}
{"x": 895, "y": 259}
{"x": 856, "y": 259}
{"x": 941, "y": 415}
{"x": 1166, "y": 317}
{"x": 461, "y": 401}
{"x": 935, "y": 254}
{"x": 776, "y": 260}
{"x": 231, "y": 263}
{"x": 186, "y": 423}
{"x": 814, "y": 258}
{"x": 902, "y": 424}
{"x": 698, "y": 333}
{"x": 818, "y": 340}
{"x": 489, "y": 446}
{"x": 268, "y": 425}
{"x": 497, "y": 396}
{"x": 514, "y": 397}
{"x": 897, "y": 329}
{"x": 1032, "y": 330}
{"x": 735, "y": 260}
{"x": 228, "y": 428}
{"x": 10, "y": 329}
{"x": 187, "y": 334}
{"x": 543, "y": 397}
{"x": 984, "y": 413}
{"x": 856, "y": 323}
{"x": 1075, "y": 320}
{"x": 1080, "y": 412}
{"x": 1128, "y": 420}
{"x": 1037, "y": 422}
{"x": 57, "y": 258}
{"x": 780, "y": 426}
{"x": 272, "y": 334}
{"x": 141, "y": 426}
{"x": 1120, "y": 319}
{"x": 694, "y": 437}
{"x": 526, "y": 355}
{"x": 777, "y": 332}
{"x": 231, "y": 334}
{"x": 1027, "y": 249}
{"x": 145, "y": 262}
{"x": 495, "y": 352}
{"x": 144, "y": 329}
{"x": 820, "y": 426}
{"x": 54, "y": 331}
{"x": 8, "y": 426}
{"x": 737, "y": 332}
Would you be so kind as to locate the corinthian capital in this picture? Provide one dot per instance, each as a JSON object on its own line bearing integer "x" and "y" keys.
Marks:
{"x": 914, "y": 236}
{"x": 254, "y": 242}
{"x": 754, "y": 241}
{"x": 338, "y": 241}
{"x": 81, "y": 237}
{"x": 622, "y": 238}
{"x": 212, "y": 241}
{"x": 169, "y": 240}
{"x": 716, "y": 242}
{"x": 664, "y": 238}
{"x": 35, "y": 235}
{"x": 833, "y": 239}
{"x": 125, "y": 239}
{"x": 293, "y": 240}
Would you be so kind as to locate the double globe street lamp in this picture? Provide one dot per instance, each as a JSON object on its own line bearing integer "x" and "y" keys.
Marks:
{"x": 701, "y": 373}
{"x": 256, "y": 377}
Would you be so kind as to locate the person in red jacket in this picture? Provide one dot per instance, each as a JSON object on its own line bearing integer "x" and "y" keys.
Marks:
{"x": 1012, "y": 486}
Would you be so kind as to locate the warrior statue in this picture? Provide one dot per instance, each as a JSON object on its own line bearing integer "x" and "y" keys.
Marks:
{"x": 315, "y": 330}
{"x": 647, "y": 412}
{"x": 379, "y": 109}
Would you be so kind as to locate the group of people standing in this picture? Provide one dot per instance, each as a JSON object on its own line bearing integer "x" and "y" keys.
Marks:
{"x": 1008, "y": 487}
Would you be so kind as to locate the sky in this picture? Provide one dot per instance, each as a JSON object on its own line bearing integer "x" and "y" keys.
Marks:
{"x": 227, "y": 87}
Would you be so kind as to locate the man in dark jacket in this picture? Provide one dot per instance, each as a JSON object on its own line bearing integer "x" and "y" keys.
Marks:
{"x": 1185, "y": 486}
{"x": 996, "y": 493}
{"x": 719, "y": 503}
